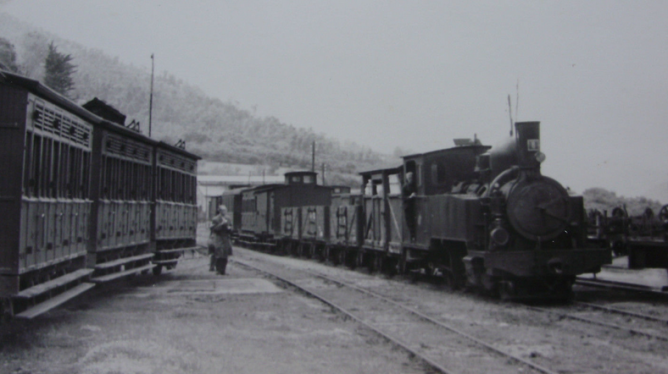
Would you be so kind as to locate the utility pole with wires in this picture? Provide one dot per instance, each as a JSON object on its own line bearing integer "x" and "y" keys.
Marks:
{"x": 150, "y": 101}
{"x": 324, "y": 182}
{"x": 313, "y": 157}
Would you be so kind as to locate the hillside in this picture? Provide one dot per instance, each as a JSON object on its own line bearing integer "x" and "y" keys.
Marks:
{"x": 216, "y": 130}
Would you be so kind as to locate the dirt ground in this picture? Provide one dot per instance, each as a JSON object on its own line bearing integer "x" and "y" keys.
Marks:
{"x": 192, "y": 321}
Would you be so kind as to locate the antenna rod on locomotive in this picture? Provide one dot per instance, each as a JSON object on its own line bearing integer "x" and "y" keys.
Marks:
{"x": 150, "y": 101}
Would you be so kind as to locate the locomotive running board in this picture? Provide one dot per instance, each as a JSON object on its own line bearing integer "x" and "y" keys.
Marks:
{"x": 55, "y": 301}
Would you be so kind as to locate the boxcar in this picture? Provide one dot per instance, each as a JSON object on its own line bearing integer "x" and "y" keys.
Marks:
{"x": 232, "y": 200}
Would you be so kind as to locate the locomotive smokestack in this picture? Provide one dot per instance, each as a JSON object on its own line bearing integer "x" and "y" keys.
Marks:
{"x": 528, "y": 144}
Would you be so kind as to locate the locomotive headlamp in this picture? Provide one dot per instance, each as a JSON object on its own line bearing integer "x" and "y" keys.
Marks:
{"x": 540, "y": 157}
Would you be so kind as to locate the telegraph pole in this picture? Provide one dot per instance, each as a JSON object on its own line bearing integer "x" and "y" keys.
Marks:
{"x": 313, "y": 157}
{"x": 150, "y": 102}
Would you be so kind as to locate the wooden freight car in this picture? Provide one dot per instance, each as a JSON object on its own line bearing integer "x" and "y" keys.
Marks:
{"x": 232, "y": 200}
{"x": 262, "y": 207}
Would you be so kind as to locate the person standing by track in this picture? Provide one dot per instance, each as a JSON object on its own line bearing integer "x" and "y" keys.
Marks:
{"x": 220, "y": 246}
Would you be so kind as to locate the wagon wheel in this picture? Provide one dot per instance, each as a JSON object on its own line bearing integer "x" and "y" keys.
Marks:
{"x": 619, "y": 213}
{"x": 359, "y": 259}
{"x": 663, "y": 213}
{"x": 507, "y": 290}
{"x": 378, "y": 262}
{"x": 648, "y": 213}
{"x": 391, "y": 266}
{"x": 450, "y": 281}
{"x": 319, "y": 253}
{"x": 332, "y": 255}
{"x": 593, "y": 214}
{"x": 342, "y": 256}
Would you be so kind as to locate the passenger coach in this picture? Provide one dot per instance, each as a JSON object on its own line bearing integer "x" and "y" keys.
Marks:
{"x": 84, "y": 198}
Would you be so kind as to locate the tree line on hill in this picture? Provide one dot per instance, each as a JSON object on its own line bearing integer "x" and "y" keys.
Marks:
{"x": 605, "y": 201}
{"x": 213, "y": 129}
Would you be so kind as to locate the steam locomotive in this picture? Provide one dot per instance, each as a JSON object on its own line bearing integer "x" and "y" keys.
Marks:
{"x": 477, "y": 216}
{"x": 84, "y": 198}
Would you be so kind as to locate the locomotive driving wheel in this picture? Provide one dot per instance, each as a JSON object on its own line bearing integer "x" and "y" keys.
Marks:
{"x": 507, "y": 290}
{"x": 663, "y": 213}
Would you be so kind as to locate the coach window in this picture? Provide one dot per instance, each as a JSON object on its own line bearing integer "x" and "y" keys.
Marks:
{"x": 73, "y": 170}
{"x": 111, "y": 177}
{"x": 141, "y": 186}
{"x": 118, "y": 179}
{"x": 193, "y": 189}
{"x": 59, "y": 173}
{"x": 148, "y": 182}
{"x": 308, "y": 179}
{"x": 178, "y": 192}
{"x": 28, "y": 180}
{"x": 172, "y": 186}
{"x": 64, "y": 175}
{"x": 85, "y": 175}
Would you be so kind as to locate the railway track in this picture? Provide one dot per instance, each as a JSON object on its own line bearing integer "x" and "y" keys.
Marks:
{"x": 440, "y": 346}
{"x": 623, "y": 312}
{"x": 619, "y": 286}
{"x": 601, "y": 319}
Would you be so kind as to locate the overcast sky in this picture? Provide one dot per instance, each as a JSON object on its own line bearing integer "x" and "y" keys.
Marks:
{"x": 414, "y": 74}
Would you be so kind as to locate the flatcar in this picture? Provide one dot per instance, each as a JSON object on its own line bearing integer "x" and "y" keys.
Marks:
{"x": 476, "y": 215}
{"x": 643, "y": 237}
{"x": 80, "y": 198}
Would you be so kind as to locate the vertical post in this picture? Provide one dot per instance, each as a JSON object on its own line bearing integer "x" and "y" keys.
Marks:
{"x": 150, "y": 102}
{"x": 323, "y": 175}
{"x": 313, "y": 157}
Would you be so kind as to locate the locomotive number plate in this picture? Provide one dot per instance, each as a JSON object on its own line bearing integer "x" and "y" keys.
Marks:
{"x": 533, "y": 145}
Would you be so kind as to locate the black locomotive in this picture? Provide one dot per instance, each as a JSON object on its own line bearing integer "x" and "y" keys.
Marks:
{"x": 84, "y": 198}
{"x": 475, "y": 215}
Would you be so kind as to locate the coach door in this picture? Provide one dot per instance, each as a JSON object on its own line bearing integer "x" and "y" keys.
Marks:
{"x": 263, "y": 210}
